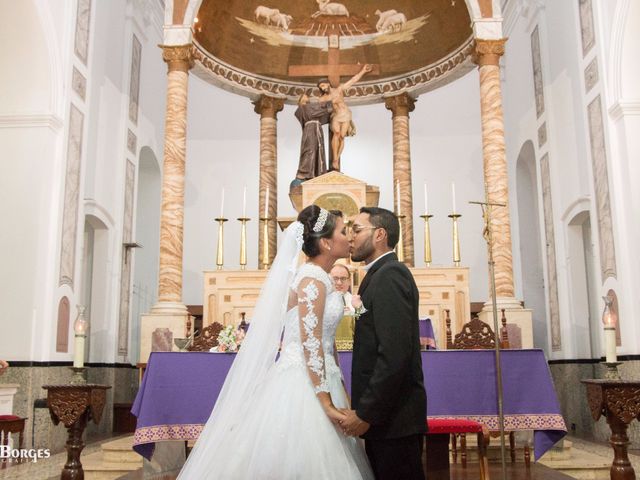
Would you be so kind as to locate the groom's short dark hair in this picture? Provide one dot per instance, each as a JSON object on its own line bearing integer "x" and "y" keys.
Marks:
{"x": 383, "y": 218}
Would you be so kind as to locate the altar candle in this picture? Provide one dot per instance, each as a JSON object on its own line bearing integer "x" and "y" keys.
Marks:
{"x": 453, "y": 196}
{"x": 222, "y": 204}
{"x": 266, "y": 204}
{"x": 244, "y": 202}
{"x": 78, "y": 354}
{"x": 426, "y": 201}
{"x": 398, "y": 196}
{"x": 610, "y": 344}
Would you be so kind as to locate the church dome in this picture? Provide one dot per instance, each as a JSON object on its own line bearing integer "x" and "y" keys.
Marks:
{"x": 281, "y": 47}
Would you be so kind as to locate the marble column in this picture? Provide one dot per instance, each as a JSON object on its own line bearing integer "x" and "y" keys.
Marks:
{"x": 487, "y": 56}
{"x": 179, "y": 61}
{"x": 268, "y": 108}
{"x": 400, "y": 106}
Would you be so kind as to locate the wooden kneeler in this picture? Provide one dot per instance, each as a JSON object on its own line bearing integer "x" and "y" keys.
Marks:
{"x": 449, "y": 426}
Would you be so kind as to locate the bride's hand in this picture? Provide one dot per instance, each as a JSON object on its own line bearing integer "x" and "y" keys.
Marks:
{"x": 335, "y": 415}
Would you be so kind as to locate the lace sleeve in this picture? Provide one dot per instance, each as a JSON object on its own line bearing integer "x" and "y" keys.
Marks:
{"x": 311, "y": 298}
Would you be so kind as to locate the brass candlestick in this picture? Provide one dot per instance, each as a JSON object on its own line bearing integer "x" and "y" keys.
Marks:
{"x": 427, "y": 239}
{"x": 265, "y": 242}
{"x": 220, "y": 254}
{"x": 400, "y": 247}
{"x": 456, "y": 239}
{"x": 243, "y": 242}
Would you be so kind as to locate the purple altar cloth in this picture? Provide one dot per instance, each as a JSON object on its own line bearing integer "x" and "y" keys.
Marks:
{"x": 427, "y": 337}
{"x": 178, "y": 392}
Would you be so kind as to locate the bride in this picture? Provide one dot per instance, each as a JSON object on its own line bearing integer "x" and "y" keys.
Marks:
{"x": 277, "y": 415}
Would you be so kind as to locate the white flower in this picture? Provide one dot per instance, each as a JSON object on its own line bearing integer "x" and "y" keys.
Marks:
{"x": 356, "y": 301}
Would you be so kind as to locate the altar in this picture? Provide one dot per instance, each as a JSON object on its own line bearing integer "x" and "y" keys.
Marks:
{"x": 231, "y": 294}
{"x": 188, "y": 385}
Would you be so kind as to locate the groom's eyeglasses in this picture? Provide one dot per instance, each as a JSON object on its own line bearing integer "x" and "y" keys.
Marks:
{"x": 360, "y": 228}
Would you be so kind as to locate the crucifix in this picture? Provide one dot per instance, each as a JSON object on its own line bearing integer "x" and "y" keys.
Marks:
{"x": 333, "y": 69}
{"x": 341, "y": 123}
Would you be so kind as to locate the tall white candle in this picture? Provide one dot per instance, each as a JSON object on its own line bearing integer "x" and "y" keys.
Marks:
{"x": 78, "y": 354}
{"x": 266, "y": 203}
{"x": 453, "y": 196}
{"x": 244, "y": 202}
{"x": 610, "y": 344}
{"x": 426, "y": 200}
{"x": 222, "y": 204}
{"x": 398, "y": 196}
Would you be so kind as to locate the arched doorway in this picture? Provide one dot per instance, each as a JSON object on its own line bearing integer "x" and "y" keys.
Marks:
{"x": 582, "y": 287}
{"x": 145, "y": 277}
{"x": 95, "y": 290}
{"x": 530, "y": 242}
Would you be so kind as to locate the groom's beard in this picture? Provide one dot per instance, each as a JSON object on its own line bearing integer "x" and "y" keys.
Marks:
{"x": 363, "y": 251}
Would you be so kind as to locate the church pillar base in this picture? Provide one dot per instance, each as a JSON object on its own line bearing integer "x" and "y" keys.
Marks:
{"x": 169, "y": 308}
{"x": 519, "y": 320}
{"x": 158, "y": 330}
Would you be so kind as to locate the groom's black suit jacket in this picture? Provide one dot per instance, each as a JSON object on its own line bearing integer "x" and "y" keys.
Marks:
{"x": 387, "y": 389}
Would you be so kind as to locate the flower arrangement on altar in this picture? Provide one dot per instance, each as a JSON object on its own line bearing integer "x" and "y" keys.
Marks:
{"x": 229, "y": 339}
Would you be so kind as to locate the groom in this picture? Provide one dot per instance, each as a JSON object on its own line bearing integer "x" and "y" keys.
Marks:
{"x": 388, "y": 397}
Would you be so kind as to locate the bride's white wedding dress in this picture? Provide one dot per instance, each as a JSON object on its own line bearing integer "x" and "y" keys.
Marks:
{"x": 283, "y": 432}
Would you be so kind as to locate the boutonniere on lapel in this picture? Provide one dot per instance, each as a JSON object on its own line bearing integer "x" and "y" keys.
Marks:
{"x": 356, "y": 302}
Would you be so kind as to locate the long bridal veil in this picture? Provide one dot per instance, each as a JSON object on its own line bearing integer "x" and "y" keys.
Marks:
{"x": 257, "y": 354}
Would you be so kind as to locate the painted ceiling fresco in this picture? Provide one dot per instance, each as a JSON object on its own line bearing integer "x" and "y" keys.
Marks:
{"x": 301, "y": 40}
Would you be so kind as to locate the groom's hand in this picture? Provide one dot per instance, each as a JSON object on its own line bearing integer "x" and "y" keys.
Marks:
{"x": 353, "y": 425}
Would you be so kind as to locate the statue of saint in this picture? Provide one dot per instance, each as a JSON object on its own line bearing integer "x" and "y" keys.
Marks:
{"x": 341, "y": 124}
{"x": 312, "y": 115}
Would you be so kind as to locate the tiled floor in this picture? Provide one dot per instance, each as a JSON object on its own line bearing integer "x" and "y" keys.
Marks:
{"x": 50, "y": 469}
{"x": 605, "y": 450}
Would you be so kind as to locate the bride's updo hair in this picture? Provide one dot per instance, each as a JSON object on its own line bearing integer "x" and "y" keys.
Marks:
{"x": 311, "y": 240}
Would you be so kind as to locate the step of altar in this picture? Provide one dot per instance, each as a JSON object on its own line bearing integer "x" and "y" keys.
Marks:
{"x": 115, "y": 459}
{"x": 578, "y": 463}
{"x": 563, "y": 457}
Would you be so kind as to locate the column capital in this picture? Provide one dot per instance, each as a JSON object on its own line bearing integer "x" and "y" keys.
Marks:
{"x": 178, "y": 57}
{"x": 268, "y": 107}
{"x": 488, "y": 52}
{"x": 400, "y": 105}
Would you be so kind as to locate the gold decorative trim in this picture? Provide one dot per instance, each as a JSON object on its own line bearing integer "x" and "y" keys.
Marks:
{"x": 363, "y": 93}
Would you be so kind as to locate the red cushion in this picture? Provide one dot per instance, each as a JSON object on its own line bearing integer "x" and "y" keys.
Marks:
{"x": 453, "y": 425}
{"x": 8, "y": 418}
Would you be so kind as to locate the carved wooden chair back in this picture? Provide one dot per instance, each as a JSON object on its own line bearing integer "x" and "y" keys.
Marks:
{"x": 476, "y": 334}
{"x": 207, "y": 339}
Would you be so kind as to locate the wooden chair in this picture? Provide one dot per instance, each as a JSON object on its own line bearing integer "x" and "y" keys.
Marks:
{"x": 207, "y": 339}
{"x": 455, "y": 426}
{"x": 11, "y": 424}
{"x": 478, "y": 335}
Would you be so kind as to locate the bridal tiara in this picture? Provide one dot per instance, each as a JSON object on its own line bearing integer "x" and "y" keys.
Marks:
{"x": 322, "y": 219}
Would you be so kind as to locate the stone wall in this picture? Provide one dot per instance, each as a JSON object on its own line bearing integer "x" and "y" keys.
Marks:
{"x": 573, "y": 398}
{"x": 124, "y": 386}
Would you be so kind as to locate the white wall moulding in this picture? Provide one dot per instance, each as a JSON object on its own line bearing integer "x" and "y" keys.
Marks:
{"x": 622, "y": 109}
{"x": 31, "y": 120}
